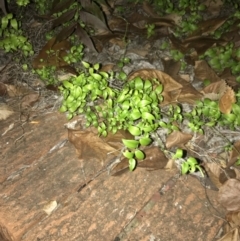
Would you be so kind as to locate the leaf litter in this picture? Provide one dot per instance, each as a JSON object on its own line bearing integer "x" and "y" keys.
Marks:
{"x": 110, "y": 39}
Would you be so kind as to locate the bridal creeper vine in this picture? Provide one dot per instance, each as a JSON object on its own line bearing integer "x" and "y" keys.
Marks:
{"x": 136, "y": 108}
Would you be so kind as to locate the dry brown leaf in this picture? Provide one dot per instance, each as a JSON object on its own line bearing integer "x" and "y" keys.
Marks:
{"x": 213, "y": 170}
{"x": 218, "y": 88}
{"x": 226, "y": 101}
{"x": 209, "y": 26}
{"x": 188, "y": 93}
{"x": 171, "y": 67}
{"x": 178, "y": 139}
{"x": 229, "y": 195}
{"x": 232, "y": 235}
{"x": 3, "y": 89}
{"x": 90, "y": 146}
{"x": 171, "y": 89}
{"x": 5, "y": 111}
{"x": 233, "y": 218}
{"x": 118, "y": 41}
{"x": 203, "y": 71}
{"x": 155, "y": 159}
{"x": 234, "y": 154}
{"x": 59, "y": 50}
{"x": 107, "y": 67}
{"x": 213, "y": 7}
{"x": 14, "y": 91}
{"x": 29, "y": 100}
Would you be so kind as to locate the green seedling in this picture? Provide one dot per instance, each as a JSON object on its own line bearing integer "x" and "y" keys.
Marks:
{"x": 12, "y": 38}
{"x": 150, "y": 30}
{"x": 191, "y": 165}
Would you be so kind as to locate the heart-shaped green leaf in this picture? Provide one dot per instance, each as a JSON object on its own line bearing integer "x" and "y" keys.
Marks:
{"x": 145, "y": 141}
{"x": 185, "y": 168}
{"x": 148, "y": 116}
{"x": 192, "y": 161}
{"x": 143, "y": 103}
{"x": 139, "y": 154}
{"x": 132, "y": 164}
{"x": 138, "y": 83}
{"x": 128, "y": 154}
{"x": 131, "y": 144}
{"x": 85, "y": 64}
{"x": 135, "y": 131}
{"x": 135, "y": 114}
{"x": 67, "y": 84}
{"x": 178, "y": 154}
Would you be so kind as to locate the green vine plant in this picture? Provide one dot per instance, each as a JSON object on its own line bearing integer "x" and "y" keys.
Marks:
{"x": 190, "y": 165}
{"x": 12, "y": 36}
{"x": 134, "y": 108}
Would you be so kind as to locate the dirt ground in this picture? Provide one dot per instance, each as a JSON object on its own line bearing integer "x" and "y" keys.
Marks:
{"x": 45, "y": 195}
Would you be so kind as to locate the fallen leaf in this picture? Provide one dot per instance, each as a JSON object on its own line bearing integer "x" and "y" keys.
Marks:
{"x": 233, "y": 218}
{"x": 3, "y": 89}
{"x": 155, "y": 159}
{"x": 171, "y": 88}
{"x": 229, "y": 195}
{"x": 90, "y": 146}
{"x": 226, "y": 100}
{"x": 14, "y": 91}
{"x": 217, "y": 88}
{"x": 232, "y": 235}
{"x": 52, "y": 54}
{"x": 213, "y": 171}
{"x": 177, "y": 139}
{"x": 234, "y": 154}
{"x": 29, "y": 100}
{"x": 5, "y": 111}
{"x": 203, "y": 71}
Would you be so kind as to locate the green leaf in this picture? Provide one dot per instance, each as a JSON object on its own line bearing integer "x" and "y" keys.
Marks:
{"x": 96, "y": 66}
{"x": 192, "y": 161}
{"x": 138, "y": 83}
{"x": 162, "y": 124}
{"x": 122, "y": 76}
{"x": 178, "y": 154}
{"x": 135, "y": 114}
{"x": 148, "y": 116}
{"x": 121, "y": 97}
{"x": 236, "y": 109}
{"x": 128, "y": 154}
{"x": 67, "y": 84}
{"x": 147, "y": 85}
{"x": 211, "y": 123}
{"x": 104, "y": 75}
{"x": 4, "y": 22}
{"x": 132, "y": 164}
{"x": 159, "y": 89}
{"x": 135, "y": 131}
{"x": 230, "y": 117}
{"x": 143, "y": 103}
{"x": 147, "y": 128}
{"x": 85, "y": 64}
{"x": 139, "y": 154}
{"x": 96, "y": 76}
{"x": 14, "y": 24}
{"x": 145, "y": 141}
{"x": 131, "y": 144}
{"x": 125, "y": 105}
{"x": 63, "y": 108}
{"x": 185, "y": 168}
